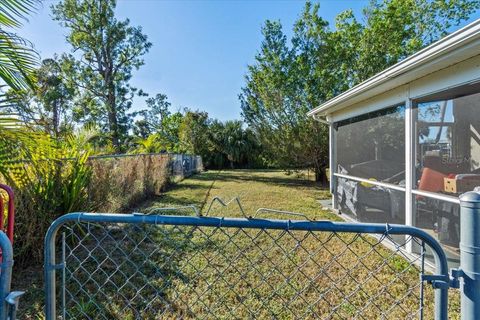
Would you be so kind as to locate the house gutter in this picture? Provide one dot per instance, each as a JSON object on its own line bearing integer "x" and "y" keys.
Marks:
{"x": 317, "y": 118}
{"x": 463, "y": 42}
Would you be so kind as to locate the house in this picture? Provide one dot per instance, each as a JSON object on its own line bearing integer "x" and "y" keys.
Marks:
{"x": 405, "y": 143}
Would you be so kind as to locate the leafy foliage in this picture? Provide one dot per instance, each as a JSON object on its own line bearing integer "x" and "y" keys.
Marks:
{"x": 232, "y": 146}
{"x": 153, "y": 117}
{"x": 275, "y": 106}
{"x": 288, "y": 79}
{"x": 50, "y": 183}
{"x": 17, "y": 58}
{"x": 47, "y": 106}
{"x": 17, "y": 61}
{"x": 109, "y": 50}
{"x": 221, "y": 144}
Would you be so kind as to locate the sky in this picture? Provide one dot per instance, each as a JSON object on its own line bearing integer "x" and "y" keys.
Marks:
{"x": 201, "y": 49}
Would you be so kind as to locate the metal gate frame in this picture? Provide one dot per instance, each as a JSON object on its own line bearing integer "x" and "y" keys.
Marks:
{"x": 440, "y": 281}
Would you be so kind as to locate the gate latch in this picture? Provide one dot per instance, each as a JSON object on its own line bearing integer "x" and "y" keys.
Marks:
{"x": 12, "y": 300}
{"x": 437, "y": 281}
{"x": 444, "y": 281}
{"x": 455, "y": 275}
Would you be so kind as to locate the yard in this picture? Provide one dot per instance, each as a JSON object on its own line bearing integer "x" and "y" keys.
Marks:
{"x": 286, "y": 278}
{"x": 255, "y": 188}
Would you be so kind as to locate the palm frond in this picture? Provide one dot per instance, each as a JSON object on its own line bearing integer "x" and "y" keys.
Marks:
{"x": 17, "y": 56}
{"x": 17, "y": 61}
{"x": 13, "y": 11}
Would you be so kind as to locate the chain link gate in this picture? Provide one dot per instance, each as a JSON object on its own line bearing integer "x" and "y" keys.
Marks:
{"x": 136, "y": 266}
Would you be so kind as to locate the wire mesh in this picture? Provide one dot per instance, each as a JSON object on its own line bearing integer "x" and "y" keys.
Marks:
{"x": 142, "y": 271}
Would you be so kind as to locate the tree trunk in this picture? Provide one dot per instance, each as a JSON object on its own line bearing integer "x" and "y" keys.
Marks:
{"x": 321, "y": 175}
{"x": 112, "y": 118}
{"x": 55, "y": 119}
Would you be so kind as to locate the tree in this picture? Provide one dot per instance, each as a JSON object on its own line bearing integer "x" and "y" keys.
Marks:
{"x": 169, "y": 135}
{"x": 166, "y": 139}
{"x": 275, "y": 107}
{"x": 157, "y": 110}
{"x": 193, "y": 132}
{"x": 153, "y": 117}
{"x": 395, "y": 29}
{"x": 106, "y": 53}
{"x": 288, "y": 80}
{"x": 55, "y": 95}
{"x": 237, "y": 144}
{"x": 265, "y": 100}
{"x": 47, "y": 106}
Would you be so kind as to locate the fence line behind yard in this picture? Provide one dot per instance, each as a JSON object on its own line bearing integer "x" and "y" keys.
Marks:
{"x": 120, "y": 181}
{"x": 47, "y": 188}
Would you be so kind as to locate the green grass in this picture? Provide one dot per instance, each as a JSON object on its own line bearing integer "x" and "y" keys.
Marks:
{"x": 244, "y": 273}
{"x": 256, "y": 188}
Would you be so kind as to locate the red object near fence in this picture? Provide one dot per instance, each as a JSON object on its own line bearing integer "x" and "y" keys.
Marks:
{"x": 10, "y": 212}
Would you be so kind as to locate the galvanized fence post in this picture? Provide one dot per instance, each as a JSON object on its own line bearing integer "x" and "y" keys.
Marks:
{"x": 50, "y": 267}
{"x": 470, "y": 255}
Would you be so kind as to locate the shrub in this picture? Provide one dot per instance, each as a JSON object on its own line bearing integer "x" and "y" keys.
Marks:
{"x": 58, "y": 179}
{"x": 52, "y": 182}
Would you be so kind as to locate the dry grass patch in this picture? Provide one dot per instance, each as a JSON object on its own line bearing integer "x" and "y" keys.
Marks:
{"x": 119, "y": 182}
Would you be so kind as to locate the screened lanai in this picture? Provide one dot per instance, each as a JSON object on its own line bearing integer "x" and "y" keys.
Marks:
{"x": 406, "y": 143}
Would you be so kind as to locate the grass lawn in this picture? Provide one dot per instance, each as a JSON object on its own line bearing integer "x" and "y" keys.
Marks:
{"x": 255, "y": 188}
{"x": 236, "y": 273}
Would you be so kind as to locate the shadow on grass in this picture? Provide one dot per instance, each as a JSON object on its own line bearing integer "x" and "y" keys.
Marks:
{"x": 127, "y": 271}
{"x": 287, "y": 181}
{"x": 30, "y": 281}
{"x": 166, "y": 200}
{"x": 188, "y": 186}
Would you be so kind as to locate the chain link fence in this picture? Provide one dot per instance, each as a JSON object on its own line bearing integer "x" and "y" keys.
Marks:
{"x": 120, "y": 181}
{"x": 180, "y": 165}
{"x": 184, "y": 165}
{"x": 162, "y": 267}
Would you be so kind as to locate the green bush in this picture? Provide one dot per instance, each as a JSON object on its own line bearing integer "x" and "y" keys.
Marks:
{"x": 52, "y": 182}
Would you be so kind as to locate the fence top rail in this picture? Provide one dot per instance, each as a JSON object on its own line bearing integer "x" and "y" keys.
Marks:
{"x": 126, "y": 155}
{"x": 113, "y": 156}
{"x": 257, "y": 223}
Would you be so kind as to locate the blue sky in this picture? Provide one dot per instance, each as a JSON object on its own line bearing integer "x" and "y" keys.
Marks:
{"x": 200, "y": 48}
